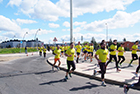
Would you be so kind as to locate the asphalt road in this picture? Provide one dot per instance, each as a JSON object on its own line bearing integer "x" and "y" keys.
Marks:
{"x": 33, "y": 75}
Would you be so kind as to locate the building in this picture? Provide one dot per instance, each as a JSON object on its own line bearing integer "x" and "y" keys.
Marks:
{"x": 128, "y": 44}
{"x": 19, "y": 43}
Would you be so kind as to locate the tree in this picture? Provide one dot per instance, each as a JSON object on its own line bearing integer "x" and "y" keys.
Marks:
{"x": 124, "y": 39}
{"x": 95, "y": 43}
{"x": 110, "y": 42}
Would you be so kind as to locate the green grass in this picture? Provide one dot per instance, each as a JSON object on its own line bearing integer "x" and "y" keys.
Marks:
{"x": 16, "y": 50}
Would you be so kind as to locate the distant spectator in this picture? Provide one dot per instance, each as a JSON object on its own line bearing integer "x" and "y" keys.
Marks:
{"x": 25, "y": 50}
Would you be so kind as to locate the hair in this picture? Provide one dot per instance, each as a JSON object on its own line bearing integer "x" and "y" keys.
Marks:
{"x": 101, "y": 43}
{"x": 136, "y": 41}
{"x": 114, "y": 40}
{"x": 71, "y": 43}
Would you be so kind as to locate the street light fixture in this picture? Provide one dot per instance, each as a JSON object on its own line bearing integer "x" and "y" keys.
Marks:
{"x": 13, "y": 37}
{"x": 71, "y": 23}
{"x": 106, "y": 32}
{"x": 35, "y": 36}
{"x": 23, "y": 38}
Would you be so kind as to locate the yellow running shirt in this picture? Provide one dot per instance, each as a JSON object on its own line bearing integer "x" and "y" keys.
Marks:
{"x": 57, "y": 52}
{"x": 102, "y": 54}
{"x": 78, "y": 47}
{"x": 122, "y": 51}
{"x": 91, "y": 48}
{"x": 62, "y": 48}
{"x": 113, "y": 47}
{"x": 134, "y": 47}
{"x": 70, "y": 52}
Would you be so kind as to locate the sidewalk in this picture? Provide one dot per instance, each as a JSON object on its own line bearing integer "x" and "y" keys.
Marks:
{"x": 125, "y": 76}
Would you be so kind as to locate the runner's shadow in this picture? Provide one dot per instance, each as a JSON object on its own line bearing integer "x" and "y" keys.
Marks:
{"x": 85, "y": 87}
{"x": 130, "y": 80}
{"x": 52, "y": 82}
{"x": 50, "y": 71}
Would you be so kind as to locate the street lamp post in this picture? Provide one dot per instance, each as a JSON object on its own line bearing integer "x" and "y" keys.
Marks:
{"x": 71, "y": 22}
{"x": 106, "y": 32}
{"x": 23, "y": 38}
{"x": 35, "y": 36}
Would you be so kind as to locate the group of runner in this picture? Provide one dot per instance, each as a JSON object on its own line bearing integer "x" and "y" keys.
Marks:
{"x": 101, "y": 56}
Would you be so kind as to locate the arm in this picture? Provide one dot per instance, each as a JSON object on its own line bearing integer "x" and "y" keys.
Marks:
{"x": 97, "y": 58}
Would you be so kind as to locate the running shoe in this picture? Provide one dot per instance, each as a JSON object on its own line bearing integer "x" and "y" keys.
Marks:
{"x": 52, "y": 68}
{"x": 118, "y": 70}
{"x": 136, "y": 74}
{"x": 125, "y": 89}
{"x": 70, "y": 74}
{"x": 66, "y": 77}
{"x": 130, "y": 65}
{"x": 95, "y": 72}
{"x": 103, "y": 84}
{"x": 58, "y": 68}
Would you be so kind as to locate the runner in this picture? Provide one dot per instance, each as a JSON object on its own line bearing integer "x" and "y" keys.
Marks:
{"x": 40, "y": 50}
{"x": 120, "y": 54}
{"x": 78, "y": 50}
{"x": 102, "y": 53}
{"x": 85, "y": 51}
{"x": 113, "y": 50}
{"x": 70, "y": 60}
{"x": 88, "y": 51}
{"x": 137, "y": 70}
{"x": 126, "y": 88}
{"x": 44, "y": 52}
{"x": 57, "y": 57}
{"x": 91, "y": 51}
{"x": 65, "y": 48}
{"x": 134, "y": 52}
{"x": 62, "y": 50}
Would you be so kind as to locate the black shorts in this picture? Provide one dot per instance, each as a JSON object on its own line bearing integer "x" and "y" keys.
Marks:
{"x": 91, "y": 53}
{"x": 85, "y": 52}
{"x": 78, "y": 53}
{"x": 69, "y": 64}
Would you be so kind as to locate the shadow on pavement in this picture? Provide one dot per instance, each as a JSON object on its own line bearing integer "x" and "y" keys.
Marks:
{"x": 85, "y": 87}
{"x": 52, "y": 82}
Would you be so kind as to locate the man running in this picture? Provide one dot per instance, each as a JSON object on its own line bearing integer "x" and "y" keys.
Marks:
{"x": 91, "y": 51}
{"x": 102, "y": 53}
{"x": 113, "y": 50}
{"x": 44, "y": 52}
{"x": 78, "y": 50}
{"x": 137, "y": 70}
{"x": 40, "y": 50}
{"x": 62, "y": 50}
{"x": 85, "y": 51}
{"x": 70, "y": 60}
{"x": 134, "y": 52}
{"x": 57, "y": 57}
{"x": 121, "y": 54}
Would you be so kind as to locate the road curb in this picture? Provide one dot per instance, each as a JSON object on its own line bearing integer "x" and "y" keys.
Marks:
{"x": 97, "y": 78}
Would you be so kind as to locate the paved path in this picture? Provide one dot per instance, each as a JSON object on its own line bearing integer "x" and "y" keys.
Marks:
{"x": 126, "y": 75}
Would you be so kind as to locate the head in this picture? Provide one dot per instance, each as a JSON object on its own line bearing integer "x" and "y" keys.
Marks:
{"x": 79, "y": 43}
{"x": 103, "y": 45}
{"x": 58, "y": 46}
{"x": 122, "y": 44}
{"x": 136, "y": 42}
{"x": 91, "y": 44}
{"x": 71, "y": 45}
{"x": 103, "y": 41}
{"x": 115, "y": 42}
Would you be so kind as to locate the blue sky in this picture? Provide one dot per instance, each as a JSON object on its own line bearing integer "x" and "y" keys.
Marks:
{"x": 53, "y": 18}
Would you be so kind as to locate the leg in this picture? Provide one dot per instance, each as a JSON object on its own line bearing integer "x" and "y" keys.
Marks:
{"x": 119, "y": 58}
{"x": 115, "y": 58}
{"x": 110, "y": 59}
{"x": 138, "y": 67}
{"x": 123, "y": 59}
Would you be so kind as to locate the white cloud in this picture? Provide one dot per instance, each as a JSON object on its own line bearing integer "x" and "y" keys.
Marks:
{"x": 77, "y": 29}
{"x": 1, "y": 1}
{"x": 79, "y": 23}
{"x": 120, "y": 20}
{"x": 7, "y": 25}
{"x": 52, "y": 25}
{"x": 47, "y": 10}
{"x": 24, "y": 21}
{"x": 66, "y": 24}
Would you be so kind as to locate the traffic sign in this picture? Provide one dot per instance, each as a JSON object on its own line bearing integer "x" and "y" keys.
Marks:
{"x": 21, "y": 42}
{"x": 55, "y": 39}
